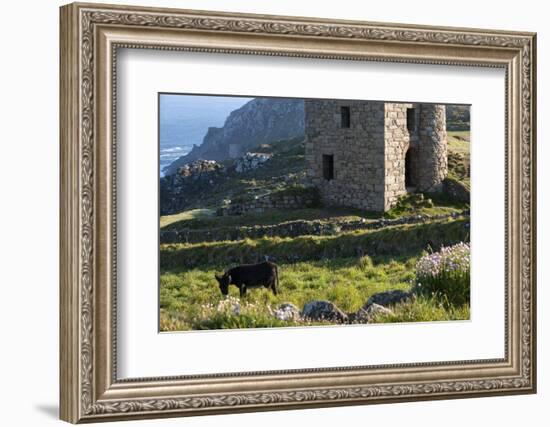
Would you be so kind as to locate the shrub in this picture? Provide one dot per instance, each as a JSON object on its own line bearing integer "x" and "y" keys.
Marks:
{"x": 365, "y": 262}
{"x": 445, "y": 274}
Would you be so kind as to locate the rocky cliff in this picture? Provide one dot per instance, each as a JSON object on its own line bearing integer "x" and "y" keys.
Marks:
{"x": 262, "y": 120}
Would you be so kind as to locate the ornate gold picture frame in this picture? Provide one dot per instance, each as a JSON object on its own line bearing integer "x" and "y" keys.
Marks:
{"x": 91, "y": 34}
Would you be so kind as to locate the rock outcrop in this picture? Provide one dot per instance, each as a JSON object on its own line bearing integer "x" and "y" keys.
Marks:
{"x": 251, "y": 161}
{"x": 181, "y": 189}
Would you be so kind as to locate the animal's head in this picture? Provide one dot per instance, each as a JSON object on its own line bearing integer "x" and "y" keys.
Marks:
{"x": 224, "y": 282}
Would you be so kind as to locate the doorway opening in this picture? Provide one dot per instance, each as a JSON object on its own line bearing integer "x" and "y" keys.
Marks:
{"x": 410, "y": 183}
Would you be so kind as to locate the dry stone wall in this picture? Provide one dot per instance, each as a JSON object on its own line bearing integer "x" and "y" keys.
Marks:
{"x": 294, "y": 228}
{"x": 278, "y": 200}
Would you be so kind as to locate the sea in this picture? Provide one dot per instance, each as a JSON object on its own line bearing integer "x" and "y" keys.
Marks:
{"x": 185, "y": 119}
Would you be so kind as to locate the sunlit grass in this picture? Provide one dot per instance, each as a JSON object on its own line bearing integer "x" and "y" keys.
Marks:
{"x": 347, "y": 282}
{"x": 189, "y": 215}
{"x": 459, "y": 142}
{"x": 423, "y": 309}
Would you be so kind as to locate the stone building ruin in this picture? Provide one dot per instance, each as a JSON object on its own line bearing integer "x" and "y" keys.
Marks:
{"x": 366, "y": 154}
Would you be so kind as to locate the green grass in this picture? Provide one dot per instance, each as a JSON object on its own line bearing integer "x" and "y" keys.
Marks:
{"x": 424, "y": 309}
{"x": 459, "y": 141}
{"x": 423, "y": 204}
{"x": 274, "y": 216}
{"x": 459, "y": 156}
{"x": 347, "y": 282}
{"x": 188, "y": 298}
{"x": 185, "y": 216}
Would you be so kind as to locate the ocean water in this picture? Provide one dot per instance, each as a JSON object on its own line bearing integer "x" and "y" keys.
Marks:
{"x": 185, "y": 119}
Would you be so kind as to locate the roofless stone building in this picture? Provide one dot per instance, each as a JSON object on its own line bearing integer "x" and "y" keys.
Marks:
{"x": 366, "y": 154}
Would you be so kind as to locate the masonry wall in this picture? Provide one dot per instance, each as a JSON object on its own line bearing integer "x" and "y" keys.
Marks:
{"x": 432, "y": 148}
{"x": 397, "y": 140}
{"x": 358, "y": 151}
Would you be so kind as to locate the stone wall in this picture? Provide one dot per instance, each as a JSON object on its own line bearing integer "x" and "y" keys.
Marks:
{"x": 294, "y": 228}
{"x": 277, "y": 200}
{"x": 358, "y": 152}
{"x": 397, "y": 141}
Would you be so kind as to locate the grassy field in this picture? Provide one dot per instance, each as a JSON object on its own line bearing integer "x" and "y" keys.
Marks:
{"x": 347, "y": 282}
{"x": 345, "y": 269}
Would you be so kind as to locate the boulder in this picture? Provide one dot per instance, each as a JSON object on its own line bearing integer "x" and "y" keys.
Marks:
{"x": 367, "y": 313}
{"x": 287, "y": 311}
{"x": 323, "y": 310}
{"x": 388, "y": 298}
{"x": 456, "y": 190}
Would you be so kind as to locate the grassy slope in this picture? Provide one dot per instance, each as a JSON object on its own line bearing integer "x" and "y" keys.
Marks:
{"x": 166, "y": 221}
{"x": 459, "y": 156}
{"x": 459, "y": 141}
{"x": 288, "y": 160}
{"x": 398, "y": 240}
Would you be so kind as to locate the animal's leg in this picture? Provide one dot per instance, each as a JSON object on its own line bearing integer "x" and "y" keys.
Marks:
{"x": 242, "y": 291}
{"x": 275, "y": 284}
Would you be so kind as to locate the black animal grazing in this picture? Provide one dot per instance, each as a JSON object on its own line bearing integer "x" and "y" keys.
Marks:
{"x": 250, "y": 276}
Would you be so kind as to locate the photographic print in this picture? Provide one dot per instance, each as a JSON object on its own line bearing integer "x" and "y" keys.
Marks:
{"x": 281, "y": 212}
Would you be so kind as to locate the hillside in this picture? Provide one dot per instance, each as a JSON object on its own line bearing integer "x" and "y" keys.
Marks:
{"x": 261, "y": 120}
{"x": 220, "y": 181}
{"x": 458, "y": 117}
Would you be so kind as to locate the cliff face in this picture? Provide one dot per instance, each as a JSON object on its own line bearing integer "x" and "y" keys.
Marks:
{"x": 262, "y": 120}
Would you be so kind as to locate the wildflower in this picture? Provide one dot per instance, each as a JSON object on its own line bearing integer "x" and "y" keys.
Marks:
{"x": 445, "y": 273}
